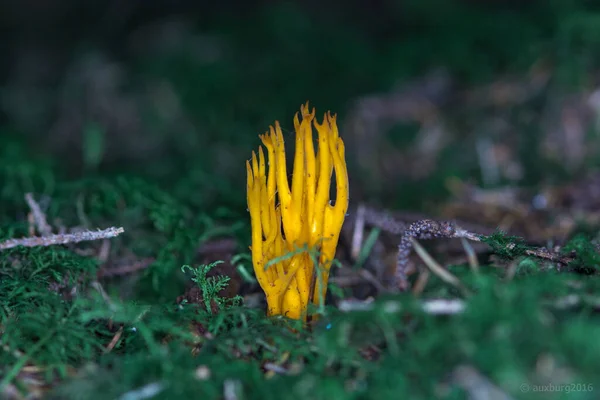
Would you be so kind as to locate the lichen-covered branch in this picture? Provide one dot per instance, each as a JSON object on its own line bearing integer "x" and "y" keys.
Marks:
{"x": 66, "y": 238}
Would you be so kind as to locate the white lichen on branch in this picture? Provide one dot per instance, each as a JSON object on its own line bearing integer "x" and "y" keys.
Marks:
{"x": 66, "y": 238}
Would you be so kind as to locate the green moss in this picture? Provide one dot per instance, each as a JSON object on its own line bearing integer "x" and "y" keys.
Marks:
{"x": 505, "y": 246}
{"x": 587, "y": 258}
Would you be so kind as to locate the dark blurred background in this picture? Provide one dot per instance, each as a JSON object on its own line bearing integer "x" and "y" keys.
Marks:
{"x": 430, "y": 94}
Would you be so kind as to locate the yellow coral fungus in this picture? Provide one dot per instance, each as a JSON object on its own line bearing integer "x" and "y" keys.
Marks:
{"x": 287, "y": 222}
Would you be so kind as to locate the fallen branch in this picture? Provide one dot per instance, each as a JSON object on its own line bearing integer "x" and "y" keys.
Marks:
{"x": 66, "y": 238}
{"x": 430, "y": 229}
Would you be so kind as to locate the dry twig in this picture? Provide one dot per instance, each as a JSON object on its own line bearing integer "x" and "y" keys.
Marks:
{"x": 114, "y": 340}
{"x": 39, "y": 217}
{"x": 430, "y": 306}
{"x": 127, "y": 269}
{"x": 436, "y": 268}
{"x": 35, "y": 241}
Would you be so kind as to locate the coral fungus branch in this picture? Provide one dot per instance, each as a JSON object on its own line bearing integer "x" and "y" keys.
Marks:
{"x": 286, "y": 219}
